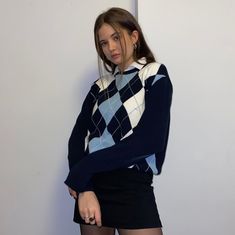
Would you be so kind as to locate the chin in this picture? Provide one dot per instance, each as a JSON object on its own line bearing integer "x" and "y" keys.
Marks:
{"x": 118, "y": 63}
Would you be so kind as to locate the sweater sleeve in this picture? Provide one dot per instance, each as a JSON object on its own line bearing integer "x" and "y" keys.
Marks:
{"x": 76, "y": 143}
{"x": 148, "y": 137}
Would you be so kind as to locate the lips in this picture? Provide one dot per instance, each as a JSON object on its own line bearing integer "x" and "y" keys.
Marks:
{"x": 115, "y": 56}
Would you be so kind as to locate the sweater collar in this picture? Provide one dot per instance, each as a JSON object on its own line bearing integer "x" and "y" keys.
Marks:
{"x": 132, "y": 67}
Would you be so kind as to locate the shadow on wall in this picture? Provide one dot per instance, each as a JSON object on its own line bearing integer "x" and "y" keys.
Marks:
{"x": 62, "y": 205}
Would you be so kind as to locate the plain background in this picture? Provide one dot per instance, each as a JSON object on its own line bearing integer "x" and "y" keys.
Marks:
{"x": 48, "y": 62}
{"x": 195, "y": 40}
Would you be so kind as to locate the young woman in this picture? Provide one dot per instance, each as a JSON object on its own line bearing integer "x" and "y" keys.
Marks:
{"x": 119, "y": 140}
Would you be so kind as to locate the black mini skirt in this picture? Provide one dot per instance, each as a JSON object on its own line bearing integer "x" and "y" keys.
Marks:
{"x": 126, "y": 200}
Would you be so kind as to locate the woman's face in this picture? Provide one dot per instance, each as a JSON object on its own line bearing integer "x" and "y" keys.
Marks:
{"x": 118, "y": 47}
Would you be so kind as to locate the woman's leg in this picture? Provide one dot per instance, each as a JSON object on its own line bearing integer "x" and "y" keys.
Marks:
{"x": 146, "y": 231}
{"x": 87, "y": 229}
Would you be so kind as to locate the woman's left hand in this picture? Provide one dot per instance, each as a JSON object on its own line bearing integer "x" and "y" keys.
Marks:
{"x": 89, "y": 208}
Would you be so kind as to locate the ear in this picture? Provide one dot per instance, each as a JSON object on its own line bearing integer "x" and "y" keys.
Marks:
{"x": 134, "y": 36}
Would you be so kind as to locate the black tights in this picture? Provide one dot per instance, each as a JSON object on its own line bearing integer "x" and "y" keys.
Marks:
{"x": 94, "y": 230}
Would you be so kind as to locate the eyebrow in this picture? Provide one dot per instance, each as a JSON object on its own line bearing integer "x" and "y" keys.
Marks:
{"x": 112, "y": 35}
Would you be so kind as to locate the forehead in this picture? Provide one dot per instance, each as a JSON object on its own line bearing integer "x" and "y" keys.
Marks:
{"x": 105, "y": 31}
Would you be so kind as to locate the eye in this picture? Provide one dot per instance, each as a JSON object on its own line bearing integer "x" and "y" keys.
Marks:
{"x": 116, "y": 38}
{"x": 103, "y": 43}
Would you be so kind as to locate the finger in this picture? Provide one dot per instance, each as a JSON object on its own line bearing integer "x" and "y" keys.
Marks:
{"x": 84, "y": 214}
{"x": 73, "y": 193}
{"x": 87, "y": 221}
{"x": 91, "y": 216}
{"x": 92, "y": 220}
{"x": 86, "y": 218}
{"x": 98, "y": 218}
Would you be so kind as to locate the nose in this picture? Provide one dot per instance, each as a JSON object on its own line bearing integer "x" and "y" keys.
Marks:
{"x": 111, "y": 45}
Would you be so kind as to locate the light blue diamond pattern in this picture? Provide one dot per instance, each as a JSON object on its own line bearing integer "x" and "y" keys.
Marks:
{"x": 157, "y": 77}
{"x": 109, "y": 107}
{"x": 151, "y": 160}
{"x": 104, "y": 141}
{"x": 122, "y": 81}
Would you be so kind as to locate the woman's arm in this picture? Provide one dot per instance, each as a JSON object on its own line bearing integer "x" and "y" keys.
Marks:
{"x": 149, "y": 136}
{"x": 76, "y": 145}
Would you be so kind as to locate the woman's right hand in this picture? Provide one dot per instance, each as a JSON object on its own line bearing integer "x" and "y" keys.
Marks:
{"x": 89, "y": 208}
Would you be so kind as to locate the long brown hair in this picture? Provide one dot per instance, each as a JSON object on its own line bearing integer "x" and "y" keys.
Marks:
{"x": 119, "y": 18}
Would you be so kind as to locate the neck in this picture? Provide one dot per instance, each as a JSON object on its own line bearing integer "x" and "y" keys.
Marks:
{"x": 123, "y": 67}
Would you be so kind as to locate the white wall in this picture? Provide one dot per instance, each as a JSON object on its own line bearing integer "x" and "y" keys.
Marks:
{"x": 195, "y": 40}
{"x": 47, "y": 63}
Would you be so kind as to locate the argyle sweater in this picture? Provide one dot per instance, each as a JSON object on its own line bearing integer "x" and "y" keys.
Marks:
{"x": 124, "y": 122}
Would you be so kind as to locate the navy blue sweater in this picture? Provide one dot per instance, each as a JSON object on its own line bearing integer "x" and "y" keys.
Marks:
{"x": 124, "y": 122}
